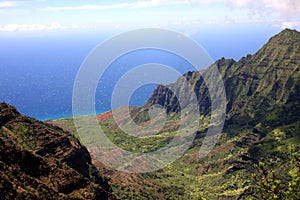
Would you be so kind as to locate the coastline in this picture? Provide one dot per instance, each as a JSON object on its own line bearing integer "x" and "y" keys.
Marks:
{"x": 68, "y": 115}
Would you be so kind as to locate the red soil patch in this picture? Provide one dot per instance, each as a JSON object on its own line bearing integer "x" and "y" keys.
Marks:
{"x": 104, "y": 116}
{"x": 195, "y": 156}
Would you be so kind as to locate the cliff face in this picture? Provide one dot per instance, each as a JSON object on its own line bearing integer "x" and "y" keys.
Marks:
{"x": 262, "y": 124}
{"x": 41, "y": 161}
{"x": 254, "y": 85}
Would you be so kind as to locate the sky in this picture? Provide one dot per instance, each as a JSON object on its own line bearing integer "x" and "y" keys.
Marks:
{"x": 187, "y": 16}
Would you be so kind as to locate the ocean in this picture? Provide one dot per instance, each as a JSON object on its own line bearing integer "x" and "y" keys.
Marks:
{"x": 37, "y": 72}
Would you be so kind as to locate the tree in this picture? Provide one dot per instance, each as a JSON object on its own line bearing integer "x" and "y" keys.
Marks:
{"x": 270, "y": 187}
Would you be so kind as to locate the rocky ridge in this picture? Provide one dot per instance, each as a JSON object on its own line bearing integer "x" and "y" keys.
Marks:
{"x": 42, "y": 161}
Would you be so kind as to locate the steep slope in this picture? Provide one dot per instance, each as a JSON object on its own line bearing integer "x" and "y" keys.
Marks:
{"x": 254, "y": 85}
{"x": 262, "y": 124}
{"x": 41, "y": 161}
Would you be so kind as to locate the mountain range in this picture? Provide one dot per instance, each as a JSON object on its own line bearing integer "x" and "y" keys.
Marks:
{"x": 262, "y": 125}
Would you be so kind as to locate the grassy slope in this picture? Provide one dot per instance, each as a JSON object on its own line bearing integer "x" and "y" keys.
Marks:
{"x": 225, "y": 172}
{"x": 263, "y": 124}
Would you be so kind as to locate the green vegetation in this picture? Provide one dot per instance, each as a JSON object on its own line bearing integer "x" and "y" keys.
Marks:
{"x": 262, "y": 125}
{"x": 270, "y": 187}
{"x": 225, "y": 172}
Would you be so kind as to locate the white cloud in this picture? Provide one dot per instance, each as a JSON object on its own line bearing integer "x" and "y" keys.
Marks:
{"x": 291, "y": 25}
{"x": 287, "y": 8}
{"x": 241, "y": 3}
{"x": 232, "y": 2}
{"x": 6, "y": 4}
{"x": 138, "y": 4}
{"x": 276, "y": 12}
{"x": 154, "y": 3}
{"x": 54, "y": 26}
{"x": 88, "y": 7}
{"x": 31, "y": 27}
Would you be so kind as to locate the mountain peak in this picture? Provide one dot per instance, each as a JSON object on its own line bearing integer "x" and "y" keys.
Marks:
{"x": 287, "y": 37}
{"x": 288, "y": 31}
{"x": 267, "y": 78}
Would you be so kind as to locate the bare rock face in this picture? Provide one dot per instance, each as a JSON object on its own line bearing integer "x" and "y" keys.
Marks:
{"x": 41, "y": 161}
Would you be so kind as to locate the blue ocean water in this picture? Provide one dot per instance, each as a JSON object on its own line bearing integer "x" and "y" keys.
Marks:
{"x": 37, "y": 73}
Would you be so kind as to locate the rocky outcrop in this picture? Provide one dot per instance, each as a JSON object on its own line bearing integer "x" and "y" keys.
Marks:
{"x": 41, "y": 161}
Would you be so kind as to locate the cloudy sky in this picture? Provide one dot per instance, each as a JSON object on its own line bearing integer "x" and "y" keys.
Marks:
{"x": 41, "y": 15}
